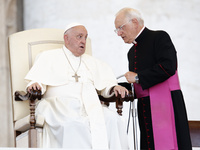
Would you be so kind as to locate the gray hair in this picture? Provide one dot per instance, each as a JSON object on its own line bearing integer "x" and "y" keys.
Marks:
{"x": 131, "y": 13}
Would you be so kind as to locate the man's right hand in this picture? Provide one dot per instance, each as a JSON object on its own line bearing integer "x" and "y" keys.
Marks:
{"x": 130, "y": 76}
{"x": 34, "y": 86}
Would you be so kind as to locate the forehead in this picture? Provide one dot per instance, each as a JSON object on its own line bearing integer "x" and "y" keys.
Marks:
{"x": 79, "y": 30}
{"x": 120, "y": 19}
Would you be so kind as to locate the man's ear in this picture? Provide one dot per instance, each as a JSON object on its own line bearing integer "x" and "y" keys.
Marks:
{"x": 135, "y": 22}
{"x": 66, "y": 39}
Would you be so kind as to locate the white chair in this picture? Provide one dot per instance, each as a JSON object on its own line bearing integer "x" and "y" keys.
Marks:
{"x": 23, "y": 48}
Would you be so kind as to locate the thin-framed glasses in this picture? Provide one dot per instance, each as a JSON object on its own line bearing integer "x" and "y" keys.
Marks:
{"x": 120, "y": 28}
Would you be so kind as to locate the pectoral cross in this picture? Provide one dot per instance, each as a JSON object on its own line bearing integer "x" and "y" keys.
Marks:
{"x": 76, "y": 77}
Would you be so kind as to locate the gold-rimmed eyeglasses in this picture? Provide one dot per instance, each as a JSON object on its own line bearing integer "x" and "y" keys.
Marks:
{"x": 120, "y": 27}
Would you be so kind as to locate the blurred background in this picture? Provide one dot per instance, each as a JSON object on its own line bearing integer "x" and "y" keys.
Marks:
{"x": 180, "y": 18}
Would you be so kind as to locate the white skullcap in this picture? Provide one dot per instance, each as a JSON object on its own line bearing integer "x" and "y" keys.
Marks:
{"x": 71, "y": 25}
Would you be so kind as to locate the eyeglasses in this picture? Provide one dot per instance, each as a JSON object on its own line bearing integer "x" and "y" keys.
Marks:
{"x": 120, "y": 28}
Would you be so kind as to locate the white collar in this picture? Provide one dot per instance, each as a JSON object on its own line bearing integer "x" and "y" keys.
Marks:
{"x": 134, "y": 42}
{"x": 69, "y": 53}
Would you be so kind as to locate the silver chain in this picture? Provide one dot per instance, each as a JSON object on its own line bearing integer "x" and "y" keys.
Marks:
{"x": 71, "y": 64}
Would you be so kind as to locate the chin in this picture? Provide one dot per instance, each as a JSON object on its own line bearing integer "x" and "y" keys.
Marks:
{"x": 127, "y": 42}
{"x": 81, "y": 52}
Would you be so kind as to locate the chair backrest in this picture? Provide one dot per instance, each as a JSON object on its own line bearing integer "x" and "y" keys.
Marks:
{"x": 23, "y": 48}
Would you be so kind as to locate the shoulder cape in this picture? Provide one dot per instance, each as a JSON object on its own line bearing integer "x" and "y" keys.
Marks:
{"x": 51, "y": 68}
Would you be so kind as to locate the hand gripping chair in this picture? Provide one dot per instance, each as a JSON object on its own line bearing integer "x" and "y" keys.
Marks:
{"x": 23, "y": 48}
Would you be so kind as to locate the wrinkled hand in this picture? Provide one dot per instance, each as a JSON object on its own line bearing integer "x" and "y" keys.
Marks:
{"x": 34, "y": 86}
{"x": 130, "y": 76}
{"x": 120, "y": 90}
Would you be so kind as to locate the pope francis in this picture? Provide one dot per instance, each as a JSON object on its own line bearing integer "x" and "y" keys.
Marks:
{"x": 70, "y": 81}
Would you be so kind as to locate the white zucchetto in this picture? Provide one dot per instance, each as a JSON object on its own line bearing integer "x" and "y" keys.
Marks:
{"x": 71, "y": 25}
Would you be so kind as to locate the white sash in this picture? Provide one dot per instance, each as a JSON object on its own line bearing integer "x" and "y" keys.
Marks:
{"x": 96, "y": 117}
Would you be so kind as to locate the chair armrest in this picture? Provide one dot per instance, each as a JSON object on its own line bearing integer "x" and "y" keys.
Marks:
{"x": 33, "y": 95}
{"x": 119, "y": 101}
{"x": 114, "y": 98}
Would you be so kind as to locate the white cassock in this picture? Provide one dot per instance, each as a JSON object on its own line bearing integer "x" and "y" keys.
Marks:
{"x": 74, "y": 116}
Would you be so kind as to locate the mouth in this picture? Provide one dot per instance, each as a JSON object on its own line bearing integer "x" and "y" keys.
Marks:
{"x": 82, "y": 47}
{"x": 123, "y": 37}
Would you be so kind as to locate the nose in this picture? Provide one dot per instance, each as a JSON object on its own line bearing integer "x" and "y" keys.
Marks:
{"x": 119, "y": 32}
{"x": 83, "y": 40}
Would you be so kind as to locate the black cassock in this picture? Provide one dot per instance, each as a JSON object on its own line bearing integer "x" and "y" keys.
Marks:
{"x": 154, "y": 59}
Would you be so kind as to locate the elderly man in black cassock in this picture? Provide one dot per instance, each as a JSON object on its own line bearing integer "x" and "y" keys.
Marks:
{"x": 153, "y": 71}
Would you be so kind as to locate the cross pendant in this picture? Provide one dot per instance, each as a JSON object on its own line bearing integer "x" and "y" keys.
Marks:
{"x": 76, "y": 77}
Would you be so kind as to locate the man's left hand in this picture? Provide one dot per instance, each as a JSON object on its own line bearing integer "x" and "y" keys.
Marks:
{"x": 120, "y": 90}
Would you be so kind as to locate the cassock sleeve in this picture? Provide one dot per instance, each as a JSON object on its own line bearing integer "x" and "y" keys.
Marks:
{"x": 106, "y": 92}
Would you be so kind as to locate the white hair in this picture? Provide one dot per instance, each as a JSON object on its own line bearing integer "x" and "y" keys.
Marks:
{"x": 131, "y": 13}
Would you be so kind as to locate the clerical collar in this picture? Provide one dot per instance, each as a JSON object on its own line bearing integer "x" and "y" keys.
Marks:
{"x": 69, "y": 53}
{"x": 73, "y": 59}
{"x": 134, "y": 42}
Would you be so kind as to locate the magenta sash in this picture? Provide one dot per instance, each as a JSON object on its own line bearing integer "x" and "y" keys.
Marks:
{"x": 162, "y": 112}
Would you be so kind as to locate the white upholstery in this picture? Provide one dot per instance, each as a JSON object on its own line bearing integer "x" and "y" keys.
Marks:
{"x": 23, "y": 48}
{"x": 22, "y": 139}
{"x": 23, "y": 124}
